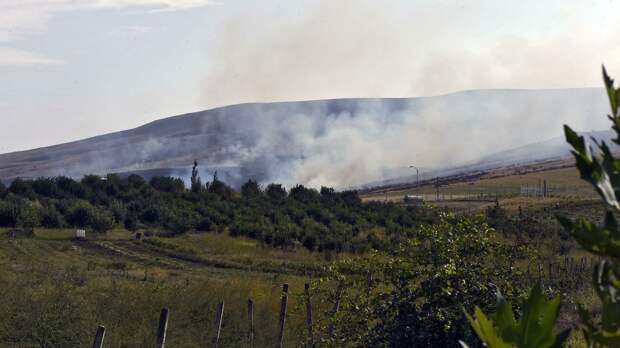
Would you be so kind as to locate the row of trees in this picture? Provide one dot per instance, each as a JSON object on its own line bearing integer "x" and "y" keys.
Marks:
{"x": 317, "y": 219}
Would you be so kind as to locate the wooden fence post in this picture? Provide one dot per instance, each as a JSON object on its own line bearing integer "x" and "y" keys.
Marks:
{"x": 99, "y": 336}
{"x": 309, "y": 315}
{"x": 283, "y": 305}
{"x": 550, "y": 275}
{"x": 336, "y": 307}
{"x": 163, "y": 327}
{"x": 218, "y": 323}
{"x": 251, "y": 320}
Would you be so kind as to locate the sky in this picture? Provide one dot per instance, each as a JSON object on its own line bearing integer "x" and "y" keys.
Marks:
{"x": 70, "y": 69}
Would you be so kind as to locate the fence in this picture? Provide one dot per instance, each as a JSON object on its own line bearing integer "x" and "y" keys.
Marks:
{"x": 544, "y": 189}
{"x": 160, "y": 339}
{"x": 569, "y": 274}
{"x": 539, "y": 190}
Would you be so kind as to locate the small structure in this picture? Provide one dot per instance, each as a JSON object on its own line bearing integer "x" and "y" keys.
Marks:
{"x": 80, "y": 234}
{"x": 413, "y": 199}
{"x": 138, "y": 236}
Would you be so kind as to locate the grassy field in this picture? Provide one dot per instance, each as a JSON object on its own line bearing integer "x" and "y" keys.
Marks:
{"x": 65, "y": 287}
{"x": 76, "y": 285}
{"x": 108, "y": 275}
{"x": 564, "y": 186}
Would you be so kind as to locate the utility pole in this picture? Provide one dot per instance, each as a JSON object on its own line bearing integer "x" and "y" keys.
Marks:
{"x": 417, "y": 175}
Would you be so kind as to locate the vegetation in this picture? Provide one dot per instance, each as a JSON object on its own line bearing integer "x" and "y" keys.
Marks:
{"x": 602, "y": 171}
{"x": 322, "y": 221}
{"x": 383, "y": 274}
{"x": 413, "y": 296}
{"x": 534, "y": 328}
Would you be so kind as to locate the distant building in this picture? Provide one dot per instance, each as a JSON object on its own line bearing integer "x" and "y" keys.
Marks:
{"x": 413, "y": 199}
{"x": 80, "y": 234}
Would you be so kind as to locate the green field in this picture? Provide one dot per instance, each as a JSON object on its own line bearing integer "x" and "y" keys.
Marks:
{"x": 57, "y": 289}
{"x": 121, "y": 283}
{"x": 564, "y": 185}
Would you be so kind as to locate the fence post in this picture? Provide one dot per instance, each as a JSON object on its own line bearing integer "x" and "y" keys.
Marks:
{"x": 550, "y": 275}
{"x": 309, "y": 315}
{"x": 283, "y": 305}
{"x": 218, "y": 323}
{"x": 99, "y": 336}
{"x": 163, "y": 327}
{"x": 336, "y": 307}
{"x": 529, "y": 277}
{"x": 251, "y": 320}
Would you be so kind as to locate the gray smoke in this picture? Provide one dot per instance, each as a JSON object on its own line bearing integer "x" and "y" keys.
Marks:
{"x": 344, "y": 143}
{"x": 339, "y": 143}
{"x": 356, "y": 48}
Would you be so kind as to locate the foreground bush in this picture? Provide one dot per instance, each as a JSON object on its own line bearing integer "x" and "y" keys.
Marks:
{"x": 413, "y": 296}
{"x": 602, "y": 170}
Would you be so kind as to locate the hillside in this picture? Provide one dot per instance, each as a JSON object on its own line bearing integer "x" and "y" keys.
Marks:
{"x": 340, "y": 142}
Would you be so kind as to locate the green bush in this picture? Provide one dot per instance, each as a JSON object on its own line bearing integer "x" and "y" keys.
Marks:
{"x": 51, "y": 218}
{"x": 8, "y": 213}
{"x": 602, "y": 171}
{"x": 418, "y": 290}
{"x": 101, "y": 221}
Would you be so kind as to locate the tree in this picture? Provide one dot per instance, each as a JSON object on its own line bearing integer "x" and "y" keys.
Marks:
{"x": 92, "y": 181}
{"x": 167, "y": 184}
{"x": 70, "y": 187}
{"x": 50, "y": 217}
{"x": 80, "y": 214}
{"x": 419, "y": 288}
{"x": 8, "y": 213}
{"x": 275, "y": 192}
{"x": 20, "y": 187}
{"x": 29, "y": 217}
{"x": 327, "y": 192}
{"x": 217, "y": 186}
{"x": 250, "y": 189}
{"x": 196, "y": 183}
{"x": 45, "y": 187}
{"x": 351, "y": 197}
{"x": 101, "y": 220}
{"x": 303, "y": 194}
{"x": 135, "y": 181}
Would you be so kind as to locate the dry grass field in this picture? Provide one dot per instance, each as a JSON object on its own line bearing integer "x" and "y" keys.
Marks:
{"x": 105, "y": 278}
{"x": 564, "y": 185}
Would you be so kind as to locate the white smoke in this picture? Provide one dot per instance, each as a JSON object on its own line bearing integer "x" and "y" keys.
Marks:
{"x": 356, "y": 48}
{"x": 344, "y": 143}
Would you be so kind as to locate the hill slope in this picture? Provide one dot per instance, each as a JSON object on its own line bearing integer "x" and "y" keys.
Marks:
{"x": 339, "y": 142}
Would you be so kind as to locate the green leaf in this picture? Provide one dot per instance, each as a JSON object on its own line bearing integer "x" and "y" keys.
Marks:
{"x": 534, "y": 329}
{"x": 577, "y": 142}
{"x": 505, "y": 320}
{"x": 612, "y": 93}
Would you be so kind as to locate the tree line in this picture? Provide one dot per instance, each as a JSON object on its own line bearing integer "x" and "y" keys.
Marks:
{"x": 320, "y": 220}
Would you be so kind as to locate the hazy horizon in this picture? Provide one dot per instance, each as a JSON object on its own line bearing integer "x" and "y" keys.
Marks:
{"x": 71, "y": 69}
{"x": 600, "y": 125}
